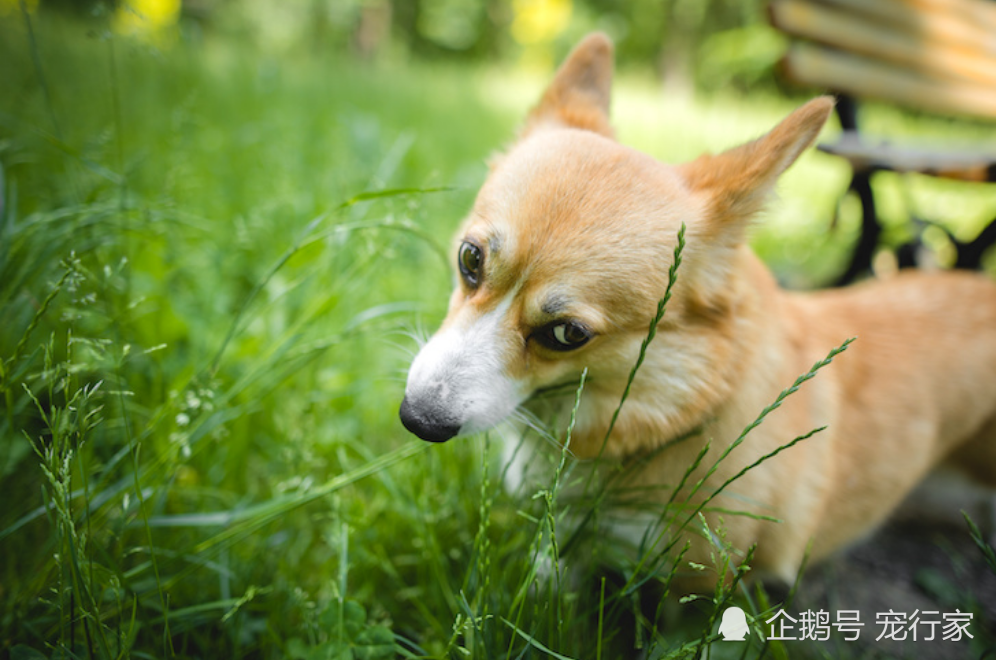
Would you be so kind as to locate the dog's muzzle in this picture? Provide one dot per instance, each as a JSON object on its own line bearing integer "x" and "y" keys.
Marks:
{"x": 425, "y": 422}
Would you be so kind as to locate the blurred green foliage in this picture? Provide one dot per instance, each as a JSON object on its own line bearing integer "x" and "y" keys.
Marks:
{"x": 715, "y": 43}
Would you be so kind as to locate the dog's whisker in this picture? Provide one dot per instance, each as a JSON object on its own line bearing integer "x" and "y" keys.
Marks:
{"x": 533, "y": 422}
{"x": 407, "y": 350}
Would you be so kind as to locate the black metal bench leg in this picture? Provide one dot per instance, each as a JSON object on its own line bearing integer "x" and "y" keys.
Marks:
{"x": 871, "y": 231}
{"x": 970, "y": 254}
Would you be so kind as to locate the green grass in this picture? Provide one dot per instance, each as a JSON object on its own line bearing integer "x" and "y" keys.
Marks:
{"x": 212, "y": 261}
{"x": 183, "y": 234}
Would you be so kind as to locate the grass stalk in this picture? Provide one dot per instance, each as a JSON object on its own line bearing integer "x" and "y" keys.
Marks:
{"x": 672, "y": 279}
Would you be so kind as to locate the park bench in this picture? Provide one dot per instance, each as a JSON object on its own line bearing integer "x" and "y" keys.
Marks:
{"x": 937, "y": 56}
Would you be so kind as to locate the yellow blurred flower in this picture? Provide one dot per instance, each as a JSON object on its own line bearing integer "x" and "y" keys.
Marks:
{"x": 539, "y": 21}
{"x": 150, "y": 19}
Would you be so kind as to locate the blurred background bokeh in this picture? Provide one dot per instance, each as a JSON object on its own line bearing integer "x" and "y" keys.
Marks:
{"x": 711, "y": 42}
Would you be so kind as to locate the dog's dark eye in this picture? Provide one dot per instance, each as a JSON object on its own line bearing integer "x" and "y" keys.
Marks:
{"x": 564, "y": 336}
{"x": 469, "y": 259}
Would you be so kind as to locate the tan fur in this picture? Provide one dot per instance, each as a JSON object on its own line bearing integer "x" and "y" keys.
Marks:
{"x": 576, "y": 226}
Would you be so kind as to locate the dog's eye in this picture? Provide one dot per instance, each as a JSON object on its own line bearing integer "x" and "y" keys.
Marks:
{"x": 564, "y": 336}
{"x": 469, "y": 259}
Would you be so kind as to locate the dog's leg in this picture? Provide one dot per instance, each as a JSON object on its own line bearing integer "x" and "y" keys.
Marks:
{"x": 977, "y": 459}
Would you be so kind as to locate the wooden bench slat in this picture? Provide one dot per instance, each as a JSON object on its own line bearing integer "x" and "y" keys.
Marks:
{"x": 903, "y": 43}
{"x": 968, "y": 24}
{"x": 962, "y": 164}
{"x": 974, "y": 12}
{"x": 828, "y": 68}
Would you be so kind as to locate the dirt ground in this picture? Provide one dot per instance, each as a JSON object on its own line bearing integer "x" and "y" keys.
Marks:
{"x": 919, "y": 571}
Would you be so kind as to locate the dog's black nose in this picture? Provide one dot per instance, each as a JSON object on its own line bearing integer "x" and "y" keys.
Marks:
{"x": 425, "y": 425}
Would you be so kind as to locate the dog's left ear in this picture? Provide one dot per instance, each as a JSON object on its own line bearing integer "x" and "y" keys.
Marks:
{"x": 738, "y": 181}
{"x": 580, "y": 92}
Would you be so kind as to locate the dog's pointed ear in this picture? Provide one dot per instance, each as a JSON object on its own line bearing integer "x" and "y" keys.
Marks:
{"x": 738, "y": 181}
{"x": 580, "y": 93}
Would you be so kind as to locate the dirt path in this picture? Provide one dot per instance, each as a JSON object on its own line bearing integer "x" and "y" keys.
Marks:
{"x": 911, "y": 570}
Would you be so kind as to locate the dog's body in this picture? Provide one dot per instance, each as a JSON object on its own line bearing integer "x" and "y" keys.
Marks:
{"x": 562, "y": 262}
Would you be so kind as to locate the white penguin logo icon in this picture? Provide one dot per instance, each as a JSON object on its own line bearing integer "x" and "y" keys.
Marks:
{"x": 734, "y": 625}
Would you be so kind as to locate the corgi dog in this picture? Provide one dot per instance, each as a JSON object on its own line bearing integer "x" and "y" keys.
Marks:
{"x": 561, "y": 264}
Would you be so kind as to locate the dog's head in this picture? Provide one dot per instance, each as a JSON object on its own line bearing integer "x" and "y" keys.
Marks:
{"x": 566, "y": 253}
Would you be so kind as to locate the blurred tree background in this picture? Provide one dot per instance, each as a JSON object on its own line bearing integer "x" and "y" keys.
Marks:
{"x": 708, "y": 43}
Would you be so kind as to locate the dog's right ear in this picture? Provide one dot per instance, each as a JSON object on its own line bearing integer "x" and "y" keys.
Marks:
{"x": 738, "y": 181}
{"x": 580, "y": 92}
